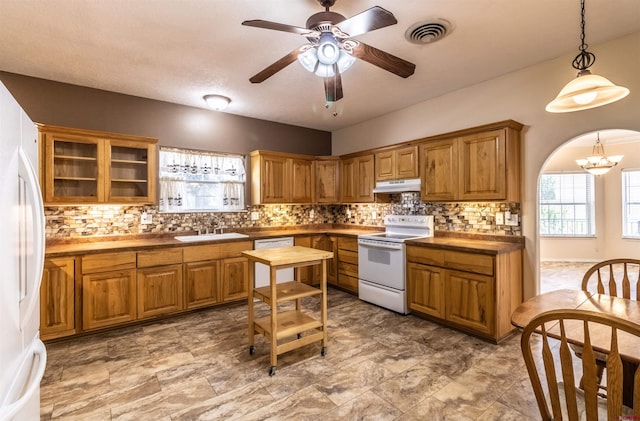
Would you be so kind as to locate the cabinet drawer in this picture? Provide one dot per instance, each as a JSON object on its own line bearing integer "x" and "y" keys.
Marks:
{"x": 350, "y": 257}
{"x": 348, "y": 243}
{"x": 108, "y": 261}
{"x": 199, "y": 253}
{"x": 234, "y": 249}
{"x": 349, "y": 283}
{"x": 347, "y": 269}
{"x": 425, "y": 255}
{"x": 159, "y": 257}
{"x": 469, "y": 262}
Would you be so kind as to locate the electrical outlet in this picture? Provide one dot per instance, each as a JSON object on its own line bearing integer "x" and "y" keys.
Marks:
{"x": 146, "y": 219}
{"x": 499, "y": 218}
{"x": 348, "y": 214}
{"x": 374, "y": 215}
{"x": 513, "y": 220}
{"x": 255, "y": 216}
{"x": 311, "y": 214}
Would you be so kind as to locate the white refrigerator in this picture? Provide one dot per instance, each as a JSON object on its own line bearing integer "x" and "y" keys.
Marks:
{"x": 22, "y": 353}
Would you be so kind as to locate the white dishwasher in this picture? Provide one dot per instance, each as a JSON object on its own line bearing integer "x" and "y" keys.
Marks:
{"x": 262, "y": 273}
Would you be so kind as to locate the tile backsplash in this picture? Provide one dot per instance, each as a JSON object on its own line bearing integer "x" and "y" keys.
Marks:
{"x": 102, "y": 220}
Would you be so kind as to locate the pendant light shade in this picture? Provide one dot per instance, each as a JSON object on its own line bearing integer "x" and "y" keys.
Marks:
{"x": 587, "y": 90}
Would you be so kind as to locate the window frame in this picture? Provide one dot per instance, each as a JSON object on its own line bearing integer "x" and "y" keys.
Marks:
{"x": 626, "y": 203}
{"x": 590, "y": 206}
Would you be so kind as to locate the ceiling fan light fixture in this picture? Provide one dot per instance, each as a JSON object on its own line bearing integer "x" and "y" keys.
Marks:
{"x": 328, "y": 49}
{"x": 324, "y": 70}
{"x": 586, "y": 90}
{"x": 217, "y": 102}
{"x": 309, "y": 59}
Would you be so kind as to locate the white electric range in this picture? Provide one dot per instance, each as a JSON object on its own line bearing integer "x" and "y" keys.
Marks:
{"x": 382, "y": 260}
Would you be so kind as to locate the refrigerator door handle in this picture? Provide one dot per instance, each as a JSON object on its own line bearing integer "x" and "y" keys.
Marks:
{"x": 33, "y": 376}
{"x": 31, "y": 288}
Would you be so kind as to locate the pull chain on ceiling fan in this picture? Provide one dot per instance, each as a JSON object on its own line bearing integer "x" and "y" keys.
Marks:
{"x": 331, "y": 49}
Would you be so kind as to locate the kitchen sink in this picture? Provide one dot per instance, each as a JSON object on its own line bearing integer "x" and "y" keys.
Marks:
{"x": 210, "y": 237}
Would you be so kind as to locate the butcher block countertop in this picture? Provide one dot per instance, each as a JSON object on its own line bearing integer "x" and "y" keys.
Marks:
{"x": 490, "y": 244}
{"x": 282, "y": 256}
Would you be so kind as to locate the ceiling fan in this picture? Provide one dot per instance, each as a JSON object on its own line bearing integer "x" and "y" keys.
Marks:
{"x": 331, "y": 49}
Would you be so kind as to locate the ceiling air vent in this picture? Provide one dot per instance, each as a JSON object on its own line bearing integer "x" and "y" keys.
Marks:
{"x": 428, "y": 31}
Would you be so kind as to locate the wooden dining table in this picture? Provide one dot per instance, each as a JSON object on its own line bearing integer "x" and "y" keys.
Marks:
{"x": 629, "y": 346}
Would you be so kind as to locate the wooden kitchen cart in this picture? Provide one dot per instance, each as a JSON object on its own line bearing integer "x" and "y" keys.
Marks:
{"x": 287, "y": 330}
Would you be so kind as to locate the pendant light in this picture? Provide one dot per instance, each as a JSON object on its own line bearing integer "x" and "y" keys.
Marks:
{"x": 586, "y": 90}
{"x": 598, "y": 163}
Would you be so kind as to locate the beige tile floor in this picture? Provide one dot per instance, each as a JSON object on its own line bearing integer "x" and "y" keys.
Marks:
{"x": 379, "y": 366}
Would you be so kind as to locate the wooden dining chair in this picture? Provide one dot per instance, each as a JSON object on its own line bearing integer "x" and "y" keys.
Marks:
{"x": 615, "y": 277}
{"x": 551, "y": 365}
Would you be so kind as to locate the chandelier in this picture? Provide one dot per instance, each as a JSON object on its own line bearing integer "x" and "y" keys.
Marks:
{"x": 586, "y": 90}
{"x": 598, "y": 163}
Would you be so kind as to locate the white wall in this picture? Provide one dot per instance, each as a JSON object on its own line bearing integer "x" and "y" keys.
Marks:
{"x": 608, "y": 243}
{"x": 521, "y": 96}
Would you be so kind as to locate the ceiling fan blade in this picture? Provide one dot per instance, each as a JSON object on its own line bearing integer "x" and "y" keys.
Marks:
{"x": 259, "y": 23}
{"x": 383, "y": 60}
{"x": 367, "y": 21}
{"x": 333, "y": 86}
{"x": 277, "y": 66}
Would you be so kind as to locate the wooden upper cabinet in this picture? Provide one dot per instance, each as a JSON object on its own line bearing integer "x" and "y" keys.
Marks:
{"x": 397, "y": 164}
{"x": 281, "y": 178}
{"x": 82, "y": 166}
{"x": 357, "y": 179}
{"x": 302, "y": 181}
{"x": 482, "y": 160}
{"x": 476, "y": 165}
{"x": 327, "y": 180}
{"x": 130, "y": 171}
{"x": 439, "y": 169}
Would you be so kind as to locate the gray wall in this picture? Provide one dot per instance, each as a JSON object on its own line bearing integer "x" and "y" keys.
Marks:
{"x": 176, "y": 125}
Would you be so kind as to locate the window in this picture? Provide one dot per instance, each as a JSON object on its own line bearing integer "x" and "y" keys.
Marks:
{"x": 197, "y": 181}
{"x": 566, "y": 204}
{"x": 631, "y": 203}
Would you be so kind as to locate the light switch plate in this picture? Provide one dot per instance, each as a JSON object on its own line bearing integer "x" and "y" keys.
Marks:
{"x": 146, "y": 219}
{"x": 255, "y": 216}
{"x": 499, "y": 218}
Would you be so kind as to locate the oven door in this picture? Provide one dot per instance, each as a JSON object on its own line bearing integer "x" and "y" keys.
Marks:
{"x": 382, "y": 262}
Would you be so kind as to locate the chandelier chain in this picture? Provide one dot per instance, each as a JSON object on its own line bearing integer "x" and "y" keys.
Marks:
{"x": 584, "y": 59}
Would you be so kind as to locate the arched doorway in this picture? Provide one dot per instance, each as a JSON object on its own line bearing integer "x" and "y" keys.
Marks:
{"x": 567, "y": 252}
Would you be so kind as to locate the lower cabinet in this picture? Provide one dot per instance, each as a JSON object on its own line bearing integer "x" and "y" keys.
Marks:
{"x": 327, "y": 243}
{"x": 108, "y": 289}
{"x": 425, "y": 289}
{"x": 122, "y": 287}
{"x": 159, "y": 290}
{"x": 348, "y": 264}
{"x": 475, "y": 292}
{"x": 215, "y": 273}
{"x": 57, "y": 298}
{"x": 201, "y": 283}
{"x": 234, "y": 278}
{"x": 108, "y": 298}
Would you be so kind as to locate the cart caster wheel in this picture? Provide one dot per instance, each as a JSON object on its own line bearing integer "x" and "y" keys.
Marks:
{"x": 323, "y": 351}
{"x": 272, "y": 370}
{"x": 252, "y": 349}
{"x": 299, "y": 335}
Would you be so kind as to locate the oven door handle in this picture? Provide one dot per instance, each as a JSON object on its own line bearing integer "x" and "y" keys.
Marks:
{"x": 381, "y": 246}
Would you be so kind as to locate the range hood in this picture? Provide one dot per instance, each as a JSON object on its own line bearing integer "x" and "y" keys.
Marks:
{"x": 397, "y": 186}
